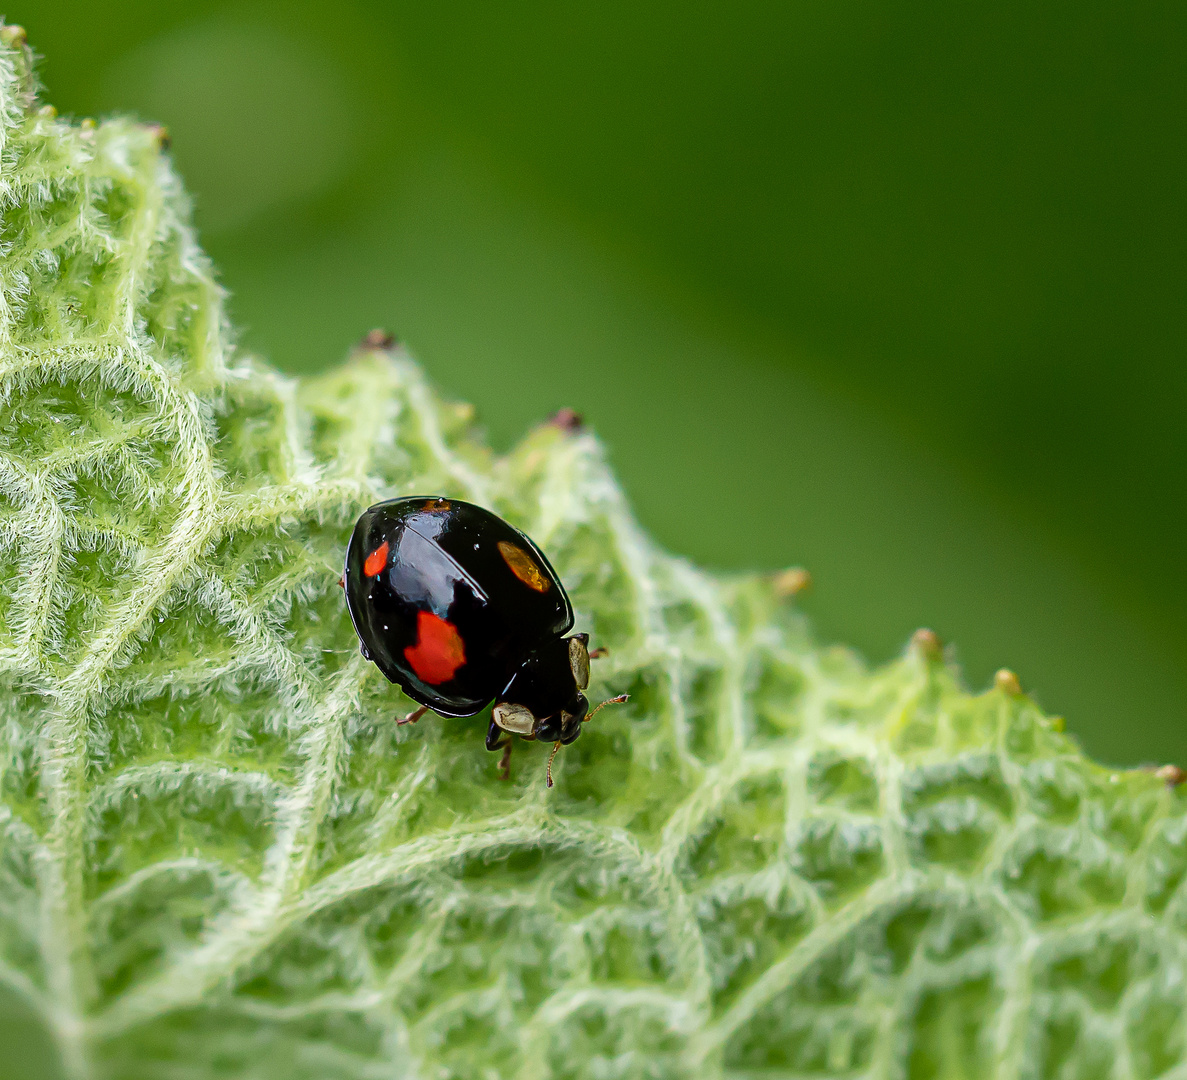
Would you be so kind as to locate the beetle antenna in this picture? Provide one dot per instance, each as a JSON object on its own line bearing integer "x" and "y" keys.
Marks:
{"x": 621, "y": 699}
{"x": 555, "y": 747}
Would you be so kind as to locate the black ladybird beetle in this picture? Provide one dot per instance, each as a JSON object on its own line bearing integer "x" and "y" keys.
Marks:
{"x": 459, "y": 608}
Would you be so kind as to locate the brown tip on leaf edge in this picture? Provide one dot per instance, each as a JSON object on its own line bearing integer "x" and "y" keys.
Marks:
{"x": 378, "y": 340}
{"x": 1007, "y": 682}
{"x": 567, "y": 420}
{"x": 791, "y": 582}
{"x": 1171, "y": 775}
{"x": 927, "y": 643}
{"x": 161, "y": 134}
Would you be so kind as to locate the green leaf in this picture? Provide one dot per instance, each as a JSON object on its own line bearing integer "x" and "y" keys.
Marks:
{"x": 219, "y": 856}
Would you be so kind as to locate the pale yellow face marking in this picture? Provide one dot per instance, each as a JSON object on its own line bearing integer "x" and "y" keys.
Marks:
{"x": 579, "y": 662}
{"x": 523, "y": 566}
{"x": 514, "y": 718}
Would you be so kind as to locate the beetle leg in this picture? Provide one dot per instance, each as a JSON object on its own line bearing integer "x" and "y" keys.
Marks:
{"x": 412, "y": 717}
{"x": 494, "y": 736}
{"x": 600, "y": 651}
{"x": 498, "y": 739}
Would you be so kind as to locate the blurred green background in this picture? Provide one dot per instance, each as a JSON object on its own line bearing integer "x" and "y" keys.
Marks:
{"x": 895, "y": 291}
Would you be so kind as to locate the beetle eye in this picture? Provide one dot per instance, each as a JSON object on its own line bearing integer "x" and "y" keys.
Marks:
{"x": 579, "y": 661}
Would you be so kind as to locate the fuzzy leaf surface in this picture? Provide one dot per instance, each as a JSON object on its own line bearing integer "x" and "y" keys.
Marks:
{"x": 219, "y": 856}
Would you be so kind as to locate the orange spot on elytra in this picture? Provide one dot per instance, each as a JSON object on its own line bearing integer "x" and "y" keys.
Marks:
{"x": 523, "y": 566}
{"x": 439, "y": 650}
{"x": 376, "y": 561}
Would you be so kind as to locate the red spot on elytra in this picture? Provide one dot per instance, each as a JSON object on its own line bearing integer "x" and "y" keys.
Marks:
{"x": 376, "y": 561}
{"x": 439, "y": 650}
